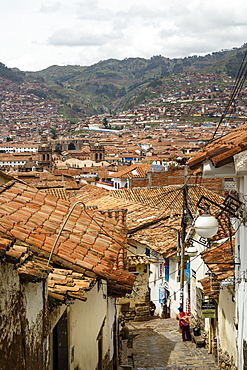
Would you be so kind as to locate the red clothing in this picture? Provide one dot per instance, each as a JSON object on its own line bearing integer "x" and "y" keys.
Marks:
{"x": 184, "y": 325}
{"x": 183, "y": 319}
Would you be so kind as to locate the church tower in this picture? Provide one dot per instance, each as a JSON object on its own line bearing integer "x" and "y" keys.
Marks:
{"x": 97, "y": 152}
{"x": 45, "y": 155}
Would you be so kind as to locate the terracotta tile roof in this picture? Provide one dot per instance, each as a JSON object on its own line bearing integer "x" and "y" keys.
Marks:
{"x": 66, "y": 285}
{"x": 88, "y": 192}
{"x": 168, "y": 198}
{"x": 63, "y": 284}
{"x": 154, "y": 214}
{"x": 34, "y": 269}
{"x": 68, "y": 172}
{"x": 137, "y": 214}
{"x": 29, "y": 267}
{"x": 58, "y": 192}
{"x": 211, "y": 286}
{"x": 71, "y": 184}
{"x": 12, "y": 252}
{"x": 161, "y": 237}
{"x": 139, "y": 259}
{"x": 92, "y": 242}
{"x": 220, "y": 261}
{"x": 222, "y": 150}
{"x": 135, "y": 170}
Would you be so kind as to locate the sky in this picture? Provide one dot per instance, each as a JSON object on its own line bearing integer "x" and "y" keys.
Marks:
{"x": 37, "y": 34}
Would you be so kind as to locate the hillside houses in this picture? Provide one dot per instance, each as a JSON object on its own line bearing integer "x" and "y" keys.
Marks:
{"x": 24, "y": 114}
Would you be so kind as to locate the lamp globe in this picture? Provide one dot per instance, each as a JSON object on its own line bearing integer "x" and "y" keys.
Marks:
{"x": 206, "y": 225}
{"x": 191, "y": 251}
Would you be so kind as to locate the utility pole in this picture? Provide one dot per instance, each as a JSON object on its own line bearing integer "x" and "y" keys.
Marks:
{"x": 182, "y": 262}
{"x": 186, "y": 216}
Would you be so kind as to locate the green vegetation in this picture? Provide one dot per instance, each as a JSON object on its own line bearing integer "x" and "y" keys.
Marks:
{"x": 11, "y": 74}
{"x": 114, "y": 85}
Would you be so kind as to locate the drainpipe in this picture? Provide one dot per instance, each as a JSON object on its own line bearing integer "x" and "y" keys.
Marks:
{"x": 209, "y": 338}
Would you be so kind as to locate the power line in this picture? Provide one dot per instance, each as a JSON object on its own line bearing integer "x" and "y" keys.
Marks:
{"x": 241, "y": 76}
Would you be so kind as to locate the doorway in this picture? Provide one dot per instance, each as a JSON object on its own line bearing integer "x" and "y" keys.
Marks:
{"x": 60, "y": 344}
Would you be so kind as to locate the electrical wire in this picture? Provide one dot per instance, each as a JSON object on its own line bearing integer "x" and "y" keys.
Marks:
{"x": 240, "y": 79}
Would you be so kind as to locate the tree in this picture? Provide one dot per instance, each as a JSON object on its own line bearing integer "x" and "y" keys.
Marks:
{"x": 105, "y": 122}
{"x": 53, "y": 133}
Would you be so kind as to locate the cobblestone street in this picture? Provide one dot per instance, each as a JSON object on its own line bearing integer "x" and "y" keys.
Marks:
{"x": 158, "y": 345}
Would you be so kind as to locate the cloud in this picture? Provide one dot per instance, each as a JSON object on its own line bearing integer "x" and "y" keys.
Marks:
{"x": 86, "y": 31}
{"x": 90, "y": 10}
{"x": 66, "y": 37}
{"x": 51, "y": 8}
{"x": 25, "y": 62}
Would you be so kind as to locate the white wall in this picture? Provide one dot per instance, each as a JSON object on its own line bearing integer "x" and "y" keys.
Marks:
{"x": 198, "y": 271}
{"x": 241, "y": 288}
{"x": 174, "y": 288}
{"x": 85, "y": 322}
{"x": 104, "y": 185}
{"x": 112, "y": 312}
{"x": 157, "y": 282}
{"x": 120, "y": 183}
{"x": 34, "y": 300}
{"x": 226, "y": 328}
{"x": 154, "y": 283}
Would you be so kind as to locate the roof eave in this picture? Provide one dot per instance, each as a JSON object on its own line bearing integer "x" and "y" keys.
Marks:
{"x": 226, "y": 169}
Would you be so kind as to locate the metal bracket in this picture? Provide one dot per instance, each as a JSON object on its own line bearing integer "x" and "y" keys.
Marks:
{"x": 230, "y": 205}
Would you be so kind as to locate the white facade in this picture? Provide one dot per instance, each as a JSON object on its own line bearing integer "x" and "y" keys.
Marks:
{"x": 226, "y": 323}
{"x": 233, "y": 338}
{"x": 241, "y": 282}
{"x": 226, "y": 331}
{"x": 158, "y": 283}
{"x": 18, "y": 148}
{"x": 14, "y": 163}
{"x": 104, "y": 185}
{"x": 120, "y": 183}
{"x": 91, "y": 326}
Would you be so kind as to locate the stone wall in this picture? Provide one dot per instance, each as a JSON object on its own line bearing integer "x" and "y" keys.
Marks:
{"x": 136, "y": 306}
{"x": 225, "y": 361}
{"x": 138, "y": 312}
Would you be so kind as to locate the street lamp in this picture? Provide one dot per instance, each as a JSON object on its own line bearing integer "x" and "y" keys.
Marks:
{"x": 206, "y": 225}
{"x": 191, "y": 251}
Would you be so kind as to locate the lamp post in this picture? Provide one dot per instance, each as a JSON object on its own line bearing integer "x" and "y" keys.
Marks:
{"x": 185, "y": 219}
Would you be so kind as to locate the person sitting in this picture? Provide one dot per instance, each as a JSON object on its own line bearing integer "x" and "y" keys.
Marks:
{"x": 152, "y": 308}
{"x": 124, "y": 332}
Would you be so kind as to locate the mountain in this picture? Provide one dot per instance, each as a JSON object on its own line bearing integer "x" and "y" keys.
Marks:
{"x": 113, "y": 85}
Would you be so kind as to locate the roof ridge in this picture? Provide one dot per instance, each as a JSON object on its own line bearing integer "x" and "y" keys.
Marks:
{"x": 7, "y": 185}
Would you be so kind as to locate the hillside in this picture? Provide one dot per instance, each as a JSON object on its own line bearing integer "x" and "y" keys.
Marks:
{"x": 114, "y": 85}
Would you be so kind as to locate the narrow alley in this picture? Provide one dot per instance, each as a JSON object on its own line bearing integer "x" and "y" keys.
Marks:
{"x": 157, "y": 345}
